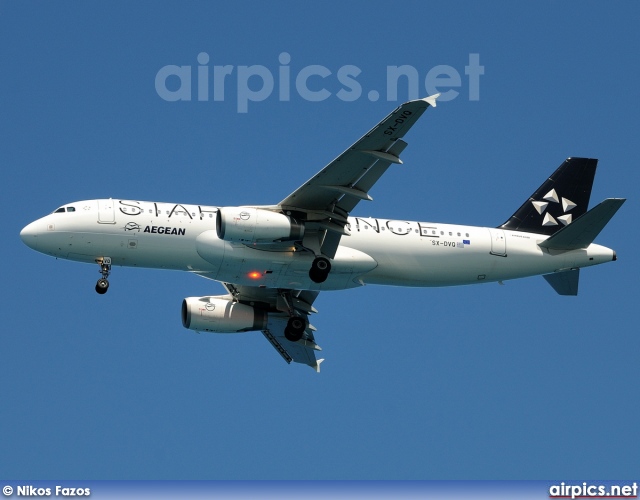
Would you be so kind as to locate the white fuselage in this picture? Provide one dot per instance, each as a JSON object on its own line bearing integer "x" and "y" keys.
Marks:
{"x": 377, "y": 251}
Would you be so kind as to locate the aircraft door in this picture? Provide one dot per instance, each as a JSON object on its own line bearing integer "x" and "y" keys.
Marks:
{"x": 106, "y": 212}
{"x": 498, "y": 242}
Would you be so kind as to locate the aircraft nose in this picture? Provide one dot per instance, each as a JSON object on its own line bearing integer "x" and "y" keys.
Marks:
{"x": 29, "y": 235}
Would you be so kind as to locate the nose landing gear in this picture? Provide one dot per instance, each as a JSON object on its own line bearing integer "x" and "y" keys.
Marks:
{"x": 105, "y": 269}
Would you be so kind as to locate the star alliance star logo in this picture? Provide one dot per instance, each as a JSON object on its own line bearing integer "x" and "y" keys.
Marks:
{"x": 552, "y": 197}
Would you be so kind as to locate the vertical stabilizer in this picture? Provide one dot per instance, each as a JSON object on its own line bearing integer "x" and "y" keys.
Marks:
{"x": 562, "y": 198}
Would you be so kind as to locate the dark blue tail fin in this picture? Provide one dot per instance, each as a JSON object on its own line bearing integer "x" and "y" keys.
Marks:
{"x": 562, "y": 198}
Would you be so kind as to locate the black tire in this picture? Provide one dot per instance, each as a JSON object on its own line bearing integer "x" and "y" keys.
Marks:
{"x": 322, "y": 265}
{"x": 102, "y": 286}
{"x": 320, "y": 269}
{"x": 295, "y": 329}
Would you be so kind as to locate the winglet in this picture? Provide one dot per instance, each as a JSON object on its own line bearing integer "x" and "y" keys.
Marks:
{"x": 317, "y": 367}
{"x": 431, "y": 100}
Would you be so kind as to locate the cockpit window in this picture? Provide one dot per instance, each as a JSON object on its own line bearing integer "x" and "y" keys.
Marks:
{"x": 65, "y": 209}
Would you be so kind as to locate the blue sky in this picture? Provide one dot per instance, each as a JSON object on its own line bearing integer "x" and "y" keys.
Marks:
{"x": 482, "y": 382}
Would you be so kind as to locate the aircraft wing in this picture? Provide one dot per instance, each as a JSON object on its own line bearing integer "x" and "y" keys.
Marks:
{"x": 326, "y": 200}
{"x": 279, "y": 304}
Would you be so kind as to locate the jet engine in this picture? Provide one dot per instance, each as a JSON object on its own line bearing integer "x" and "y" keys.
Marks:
{"x": 254, "y": 225}
{"x": 221, "y": 314}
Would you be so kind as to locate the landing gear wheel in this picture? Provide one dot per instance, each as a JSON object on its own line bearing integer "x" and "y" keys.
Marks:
{"x": 320, "y": 270}
{"x": 295, "y": 328}
{"x": 102, "y": 286}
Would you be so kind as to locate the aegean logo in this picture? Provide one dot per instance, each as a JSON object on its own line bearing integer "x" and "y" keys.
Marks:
{"x": 132, "y": 226}
{"x": 257, "y": 83}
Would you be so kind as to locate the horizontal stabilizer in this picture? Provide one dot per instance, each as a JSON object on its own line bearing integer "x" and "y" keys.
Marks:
{"x": 581, "y": 232}
{"x": 565, "y": 282}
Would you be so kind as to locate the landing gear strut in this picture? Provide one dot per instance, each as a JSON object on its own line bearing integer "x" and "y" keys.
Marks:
{"x": 320, "y": 269}
{"x": 295, "y": 328}
{"x": 105, "y": 269}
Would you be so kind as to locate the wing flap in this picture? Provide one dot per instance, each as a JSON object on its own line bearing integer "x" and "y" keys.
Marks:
{"x": 371, "y": 176}
{"x": 302, "y": 351}
{"x": 343, "y": 183}
{"x": 280, "y": 304}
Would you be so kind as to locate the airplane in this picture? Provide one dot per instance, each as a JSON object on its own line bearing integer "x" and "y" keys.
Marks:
{"x": 274, "y": 260}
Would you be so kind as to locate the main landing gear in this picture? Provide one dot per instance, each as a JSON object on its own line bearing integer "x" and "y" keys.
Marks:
{"x": 296, "y": 325}
{"x": 295, "y": 328}
{"x": 320, "y": 269}
{"x": 105, "y": 269}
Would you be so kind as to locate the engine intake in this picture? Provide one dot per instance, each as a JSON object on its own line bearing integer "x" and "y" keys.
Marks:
{"x": 255, "y": 225}
{"x": 220, "y": 314}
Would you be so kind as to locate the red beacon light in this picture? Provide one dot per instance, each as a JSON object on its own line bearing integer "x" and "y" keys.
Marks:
{"x": 255, "y": 275}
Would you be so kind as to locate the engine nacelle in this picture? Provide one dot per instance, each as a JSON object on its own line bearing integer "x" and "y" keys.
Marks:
{"x": 221, "y": 314}
{"x": 255, "y": 225}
